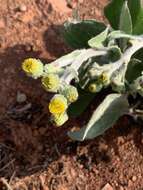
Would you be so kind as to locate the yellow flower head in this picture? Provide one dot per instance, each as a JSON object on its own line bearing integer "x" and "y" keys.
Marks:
{"x": 51, "y": 82}
{"x": 58, "y": 104}
{"x": 71, "y": 93}
{"x": 59, "y": 119}
{"x": 33, "y": 67}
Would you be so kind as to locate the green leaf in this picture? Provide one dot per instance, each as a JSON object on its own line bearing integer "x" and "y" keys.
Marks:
{"x": 134, "y": 7}
{"x": 104, "y": 117}
{"x": 138, "y": 28}
{"x": 120, "y": 34}
{"x": 134, "y": 70}
{"x": 77, "y": 33}
{"x": 81, "y": 104}
{"x": 97, "y": 41}
{"x": 112, "y": 12}
{"x": 137, "y": 11}
{"x": 114, "y": 53}
{"x": 125, "y": 23}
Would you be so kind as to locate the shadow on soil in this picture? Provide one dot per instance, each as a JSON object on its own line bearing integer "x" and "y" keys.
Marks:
{"x": 54, "y": 42}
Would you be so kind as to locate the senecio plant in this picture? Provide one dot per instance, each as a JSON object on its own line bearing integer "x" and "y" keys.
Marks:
{"x": 104, "y": 57}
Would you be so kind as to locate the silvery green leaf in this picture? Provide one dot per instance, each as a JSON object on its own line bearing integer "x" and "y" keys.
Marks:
{"x": 119, "y": 34}
{"x": 68, "y": 75}
{"x": 138, "y": 26}
{"x": 77, "y": 33}
{"x": 118, "y": 87}
{"x": 135, "y": 7}
{"x": 125, "y": 19}
{"x": 72, "y": 71}
{"x": 85, "y": 56}
{"x": 104, "y": 117}
{"x": 134, "y": 70}
{"x": 113, "y": 10}
{"x": 97, "y": 41}
{"x": 67, "y": 59}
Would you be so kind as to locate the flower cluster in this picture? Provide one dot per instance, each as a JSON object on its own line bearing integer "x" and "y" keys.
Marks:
{"x": 52, "y": 81}
{"x": 104, "y": 57}
{"x": 59, "y": 104}
{"x": 91, "y": 75}
{"x": 57, "y": 76}
{"x": 103, "y": 76}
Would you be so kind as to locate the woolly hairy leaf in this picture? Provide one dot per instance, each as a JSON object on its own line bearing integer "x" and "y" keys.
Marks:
{"x": 125, "y": 23}
{"x": 77, "y": 33}
{"x": 104, "y": 117}
{"x": 97, "y": 41}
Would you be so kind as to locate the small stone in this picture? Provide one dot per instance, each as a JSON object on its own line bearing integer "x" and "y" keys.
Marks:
{"x": 28, "y": 47}
{"x": 134, "y": 178}
{"x": 22, "y": 8}
{"x": 95, "y": 170}
{"x": 116, "y": 183}
{"x": 103, "y": 147}
{"x": 21, "y": 97}
{"x": 81, "y": 166}
{"x": 121, "y": 188}
{"x": 120, "y": 140}
{"x": 107, "y": 187}
{"x": 130, "y": 183}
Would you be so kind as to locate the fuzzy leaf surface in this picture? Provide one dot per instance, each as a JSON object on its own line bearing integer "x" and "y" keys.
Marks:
{"x": 104, "y": 117}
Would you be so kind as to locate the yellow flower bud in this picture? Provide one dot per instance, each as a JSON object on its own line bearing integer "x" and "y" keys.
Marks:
{"x": 104, "y": 79}
{"x": 94, "y": 87}
{"x": 33, "y": 67}
{"x": 59, "y": 119}
{"x": 58, "y": 104}
{"x": 51, "y": 82}
{"x": 71, "y": 93}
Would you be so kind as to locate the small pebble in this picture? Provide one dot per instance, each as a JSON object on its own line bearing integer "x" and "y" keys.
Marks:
{"x": 28, "y": 47}
{"x": 22, "y": 8}
{"x": 21, "y": 97}
{"x": 120, "y": 140}
{"x": 103, "y": 147}
{"x": 116, "y": 183}
{"x": 134, "y": 178}
{"x": 121, "y": 188}
{"x": 130, "y": 183}
{"x": 107, "y": 187}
